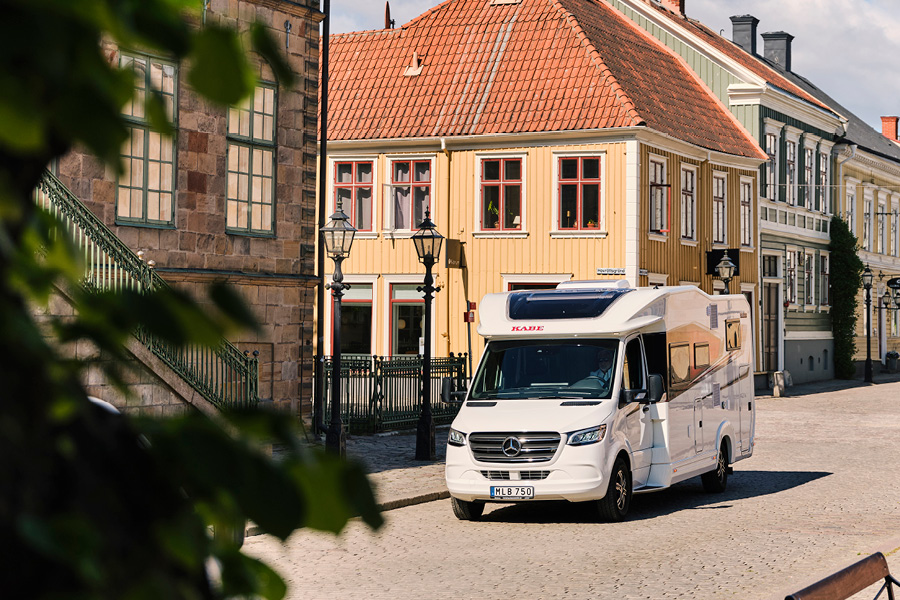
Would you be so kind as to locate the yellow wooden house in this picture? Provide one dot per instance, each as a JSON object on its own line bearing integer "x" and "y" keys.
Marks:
{"x": 549, "y": 141}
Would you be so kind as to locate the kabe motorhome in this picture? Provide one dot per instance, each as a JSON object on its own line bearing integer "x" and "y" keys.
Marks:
{"x": 595, "y": 390}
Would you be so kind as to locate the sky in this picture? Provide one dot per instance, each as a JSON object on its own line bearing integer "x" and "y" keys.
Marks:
{"x": 848, "y": 48}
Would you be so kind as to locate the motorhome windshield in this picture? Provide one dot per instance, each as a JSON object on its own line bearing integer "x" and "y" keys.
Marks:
{"x": 546, "y": 369}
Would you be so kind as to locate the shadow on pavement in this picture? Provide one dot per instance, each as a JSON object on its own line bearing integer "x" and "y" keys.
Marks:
{"x": 688, "y": 495}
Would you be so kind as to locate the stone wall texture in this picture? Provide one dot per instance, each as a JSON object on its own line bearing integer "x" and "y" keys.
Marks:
{"x": 275, "y": 274}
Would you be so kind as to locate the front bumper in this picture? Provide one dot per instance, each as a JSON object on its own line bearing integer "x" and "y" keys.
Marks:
{"x": 574, "y": 474}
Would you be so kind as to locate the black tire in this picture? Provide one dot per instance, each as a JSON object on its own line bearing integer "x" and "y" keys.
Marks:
{"x": 614, "y": 505}
{"x": 716, "y": 480}
{"x": 467, "y": 511}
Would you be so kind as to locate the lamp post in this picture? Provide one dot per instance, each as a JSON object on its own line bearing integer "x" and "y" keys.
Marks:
{"x": 428, "y": 246}
{"x": 867, "y": 277}
{"x": 338, "y": 236}
{"x": 725, "y": 270}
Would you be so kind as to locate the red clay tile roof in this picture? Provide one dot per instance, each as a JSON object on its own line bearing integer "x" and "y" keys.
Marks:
{"x": 740, "y": 56}
{"x": 540, "y": 65}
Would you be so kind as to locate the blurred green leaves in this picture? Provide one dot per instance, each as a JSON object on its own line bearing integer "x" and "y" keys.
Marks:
{"x": 100, "y": 505}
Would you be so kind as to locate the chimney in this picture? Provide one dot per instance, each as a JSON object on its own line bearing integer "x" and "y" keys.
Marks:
{"x": 889, "y": 127}
{"x": 743, "y": 32}
{"x": 676, "y": 6}
{"x": 777, "y": 48}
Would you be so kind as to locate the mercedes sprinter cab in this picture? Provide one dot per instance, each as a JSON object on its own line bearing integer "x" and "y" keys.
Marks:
{"x": 595, "y": 390}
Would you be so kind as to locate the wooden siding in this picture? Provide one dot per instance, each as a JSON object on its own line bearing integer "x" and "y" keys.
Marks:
{"x": 488, "y": 256}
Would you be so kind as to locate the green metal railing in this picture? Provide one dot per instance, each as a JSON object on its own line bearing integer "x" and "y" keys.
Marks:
{"x": 224, "y": 375}
{"x": 383, "y": 393}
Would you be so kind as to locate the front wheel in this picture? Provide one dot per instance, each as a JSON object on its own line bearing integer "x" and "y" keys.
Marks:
{"x": 467, "y": 511}
{"x": 716, "y": 480}
{"x": 614, "y": 505}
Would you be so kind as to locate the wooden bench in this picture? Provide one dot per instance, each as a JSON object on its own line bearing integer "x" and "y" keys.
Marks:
{"x": 851, "y": 580}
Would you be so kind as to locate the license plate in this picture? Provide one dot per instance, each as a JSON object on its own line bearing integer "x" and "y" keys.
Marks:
{"x": 512, "y": 493}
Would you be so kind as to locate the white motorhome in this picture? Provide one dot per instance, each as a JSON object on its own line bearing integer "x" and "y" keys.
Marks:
{"x": 596, "y": 390}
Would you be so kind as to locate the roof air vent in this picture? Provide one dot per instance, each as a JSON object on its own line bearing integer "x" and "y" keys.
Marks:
{"x": 415, "y": 68}
{"x": 500, "y": 2}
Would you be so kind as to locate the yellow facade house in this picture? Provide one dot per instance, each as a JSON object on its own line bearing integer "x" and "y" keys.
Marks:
{"x": 549, "y": 141}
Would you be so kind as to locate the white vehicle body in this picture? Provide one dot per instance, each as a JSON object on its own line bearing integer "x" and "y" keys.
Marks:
{"x": 515, "y": 443}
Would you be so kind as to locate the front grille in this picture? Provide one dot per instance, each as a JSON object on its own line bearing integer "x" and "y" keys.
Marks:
{"x": 523, "y": 475}
{"x": 535, "y": 446}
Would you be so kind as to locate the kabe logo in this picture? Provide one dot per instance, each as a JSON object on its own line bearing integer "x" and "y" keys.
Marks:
{"x": 528, "y": 328}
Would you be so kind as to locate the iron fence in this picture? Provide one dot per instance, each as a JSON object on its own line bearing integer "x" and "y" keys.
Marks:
{"x": 383, "y": 393}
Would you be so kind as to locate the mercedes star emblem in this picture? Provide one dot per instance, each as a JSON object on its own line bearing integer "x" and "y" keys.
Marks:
{"x": 511, "y": 446}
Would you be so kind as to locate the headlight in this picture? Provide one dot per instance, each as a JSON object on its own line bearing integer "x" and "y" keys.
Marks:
{"x": 456, "y": 438}
{"x": 587, "y": 436}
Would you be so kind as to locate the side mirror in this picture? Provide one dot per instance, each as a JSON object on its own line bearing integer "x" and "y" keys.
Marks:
{"x": 629, "y": 396}
{"x": 656, "y": 387}
{"x": 448, "y": 395}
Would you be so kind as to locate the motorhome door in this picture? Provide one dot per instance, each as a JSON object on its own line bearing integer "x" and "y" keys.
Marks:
{"x": 638, "y": 426}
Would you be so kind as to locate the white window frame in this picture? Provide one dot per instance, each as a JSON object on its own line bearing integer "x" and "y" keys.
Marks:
{"x": 825, "y": 277}
{"x": 824, "y": 176}
{"x": 810, "y": 174}
{"x": 895, "y": 226}
{"x": 721, "y": 222}
{"x": 477, "y": 231}
{"x": 809, "y": 278}
{"x": 772, "y": 165}
{"x": 555, "y": 231}
{"x": 868, "y": 218}
{"x": 387, "y": 187}
{"x": 850, "y": 199}
{"x": 882, "y": 223}
{"x": 746, "y": 209}
{"x": 790, "y": 275}
{"x": 791, "y": 189}
{"x": 376, "y": 186}
{"x": 692, "y": 198}
{"x": 661, "y": 232}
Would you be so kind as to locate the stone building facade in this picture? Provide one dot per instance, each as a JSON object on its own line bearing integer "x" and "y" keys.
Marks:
{"x": 232, "y": 195}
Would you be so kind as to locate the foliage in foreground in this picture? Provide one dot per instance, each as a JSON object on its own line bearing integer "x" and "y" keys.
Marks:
{"x": 94, "y": 504}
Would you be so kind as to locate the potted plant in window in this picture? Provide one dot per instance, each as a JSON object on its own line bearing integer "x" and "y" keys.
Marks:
{"x": 493, "y": 220}
{"x": 592, "y": 224}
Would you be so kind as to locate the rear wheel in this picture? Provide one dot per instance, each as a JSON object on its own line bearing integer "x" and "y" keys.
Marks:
{"x": 614, "y": 505}
{"x": 467, "y": 511}
{"x": 716, "y": 480}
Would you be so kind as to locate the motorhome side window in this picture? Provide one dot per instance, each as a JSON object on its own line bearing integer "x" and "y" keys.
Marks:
{"x": 633, "y": 371}
{"x": 679, "y": 363}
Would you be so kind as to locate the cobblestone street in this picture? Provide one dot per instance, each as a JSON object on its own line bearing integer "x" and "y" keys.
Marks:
{"x": 820, "y": 492}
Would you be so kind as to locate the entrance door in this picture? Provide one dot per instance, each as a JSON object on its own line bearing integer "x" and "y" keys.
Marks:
{"x": 771, "y": 313}
{"x": 638, "y": 426}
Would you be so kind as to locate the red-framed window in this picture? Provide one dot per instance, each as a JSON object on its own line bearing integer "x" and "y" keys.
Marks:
{"x": 501, "y": 194}
{"x": 579, "y": 193}
{"x": 410, "y": 193}
{"x": 407, "y": 316}
{"x": 353, "y": 188}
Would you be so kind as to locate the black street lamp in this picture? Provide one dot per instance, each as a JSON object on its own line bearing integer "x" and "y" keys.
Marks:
{"x": 867, "y": 277}
{"x": 428, "y": 246}
{"x": 725, "y": 269}
{"x": 338, "y": 236}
